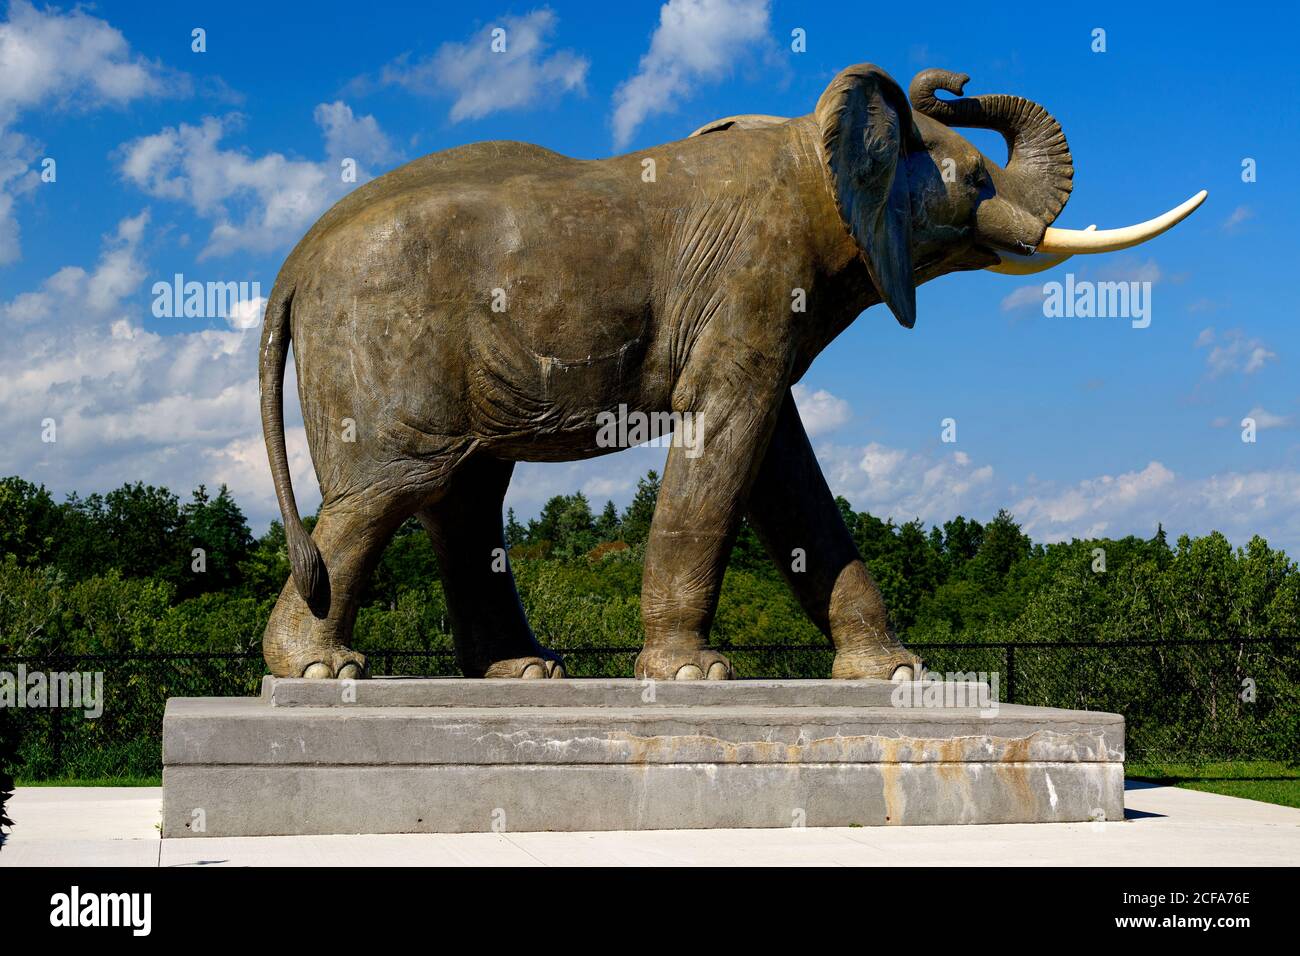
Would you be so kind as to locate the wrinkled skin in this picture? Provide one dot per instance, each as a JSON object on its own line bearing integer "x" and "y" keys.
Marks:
{"x": 672, "y": 294}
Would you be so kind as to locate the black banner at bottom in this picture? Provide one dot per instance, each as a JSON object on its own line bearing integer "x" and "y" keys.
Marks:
{"x": 210, "y": 905}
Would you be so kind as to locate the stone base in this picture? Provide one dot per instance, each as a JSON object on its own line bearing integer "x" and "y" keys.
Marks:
{"x": 440, "y": 755}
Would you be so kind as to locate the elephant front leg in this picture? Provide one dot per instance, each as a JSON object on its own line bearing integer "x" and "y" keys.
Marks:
{"x": 699, "y": 507}
{"x": 795, "y": 515}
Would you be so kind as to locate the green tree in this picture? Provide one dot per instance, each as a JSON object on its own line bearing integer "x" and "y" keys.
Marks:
{"x": 266, "y": 568}
{"x": 575, "y": 527}
{"x": 219, "y": 529}
{"x": 29, "y": 521}
{"x": 140, "y": 523}
{"x": 515, "y": 533}
{"x": 639, "y": 514}
{"x": 608, "y": 526}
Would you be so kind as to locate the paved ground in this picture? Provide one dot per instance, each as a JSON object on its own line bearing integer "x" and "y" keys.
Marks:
{"x": 98, "y": 826}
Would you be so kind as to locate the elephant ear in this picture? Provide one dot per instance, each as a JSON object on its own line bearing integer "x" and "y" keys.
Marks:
{"x": 866, "y": 131}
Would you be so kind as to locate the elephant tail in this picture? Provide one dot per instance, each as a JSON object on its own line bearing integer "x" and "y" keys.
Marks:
{"x": 309, "y": 574}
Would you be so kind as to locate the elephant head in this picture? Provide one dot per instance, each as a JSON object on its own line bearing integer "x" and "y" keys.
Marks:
{"x": 921, "y": 200}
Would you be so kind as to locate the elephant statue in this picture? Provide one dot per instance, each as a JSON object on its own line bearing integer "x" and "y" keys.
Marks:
{"x": 486, "y": 305}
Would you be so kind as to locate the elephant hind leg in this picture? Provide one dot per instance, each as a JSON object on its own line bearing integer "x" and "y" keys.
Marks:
{"x": 351, "y": 536}
{"x": 491, "y": 632}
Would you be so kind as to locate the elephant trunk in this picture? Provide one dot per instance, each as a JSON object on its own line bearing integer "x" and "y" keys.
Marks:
{"x": 1035, "y": 184}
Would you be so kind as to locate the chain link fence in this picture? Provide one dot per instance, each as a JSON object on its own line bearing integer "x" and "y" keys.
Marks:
{"x": 1190, "y": 701}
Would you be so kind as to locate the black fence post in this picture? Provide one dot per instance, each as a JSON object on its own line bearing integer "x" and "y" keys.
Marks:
{"x": 56, "y": 740}
{"x": 1011, "y": 673}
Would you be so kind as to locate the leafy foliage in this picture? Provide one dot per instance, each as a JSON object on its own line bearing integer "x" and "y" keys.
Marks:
{"x": 115, "y": 573}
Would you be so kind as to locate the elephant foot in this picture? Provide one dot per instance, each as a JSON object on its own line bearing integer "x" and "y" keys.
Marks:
{"x": 298, "y": 644}
{"x": 894, "y": 663}
{"x": 679, "y": 663}
{"x": 306, "y": 652}
{"x": 527, "y": 668}
{"x": 339, "y": 662}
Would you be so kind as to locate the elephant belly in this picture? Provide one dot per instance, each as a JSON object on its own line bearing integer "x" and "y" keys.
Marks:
{"x": 529, "y": 405}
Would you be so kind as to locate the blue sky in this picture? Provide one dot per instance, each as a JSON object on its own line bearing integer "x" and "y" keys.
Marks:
{"x": 212, "y": 164}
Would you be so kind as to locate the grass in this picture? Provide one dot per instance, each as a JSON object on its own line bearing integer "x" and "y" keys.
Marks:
{"x": 1265, "y": 780}
{"x": 105, "y": 782}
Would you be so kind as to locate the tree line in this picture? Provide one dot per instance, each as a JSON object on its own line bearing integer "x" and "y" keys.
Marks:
{"x": 140, "y": 569}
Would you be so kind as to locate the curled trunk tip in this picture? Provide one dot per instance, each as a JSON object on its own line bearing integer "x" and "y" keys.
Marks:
{"x": 1038, "y": 157}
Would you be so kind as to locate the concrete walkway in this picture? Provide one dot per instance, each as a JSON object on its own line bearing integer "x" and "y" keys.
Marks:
{"x": 106, "y": 826}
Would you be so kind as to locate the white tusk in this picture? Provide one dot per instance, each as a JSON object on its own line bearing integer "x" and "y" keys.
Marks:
{"x": 1014, "y": 264}
{"x": 1071, "y": 241}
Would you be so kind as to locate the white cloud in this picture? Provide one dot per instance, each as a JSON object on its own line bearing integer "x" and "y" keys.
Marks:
{"x": 900, "y": 484}
{"x": 820, "y": 411}
{"x": 50, "y": 60}
{"x": 1262, "y": 417}
{"x": 936, "y": 486}
{"x": 1233, "y": 352}
{"x": 353, "y": 137}
{"x": 696, "y": 41}
{"x": 128, "y": 403}
{"x": 247, "y": 313}
{"x": 484, "y": 80}
{"x": 1088, "y": 508}
{"x": 1237, "y": 504}
{"x": 1023, "y": 298}
{"x": 1238, "y": 216}
{"x": 258, "y": 203}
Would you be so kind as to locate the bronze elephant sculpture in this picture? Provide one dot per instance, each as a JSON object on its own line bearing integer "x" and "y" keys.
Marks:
{"x": 485, "y": 305}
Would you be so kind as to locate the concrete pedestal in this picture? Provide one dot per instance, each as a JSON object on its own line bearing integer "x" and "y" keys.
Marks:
{"x": 396, "y": 755}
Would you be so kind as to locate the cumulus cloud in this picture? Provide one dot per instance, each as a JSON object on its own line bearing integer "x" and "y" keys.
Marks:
{"x": 1232, "y": 352}
{"x": 820, "y": 411}
{"x": 903, "y": 484}
{"x": 485, "y": 80}
{"x": 1239, "y": 504}
{"x": 1090, "y": 507}
{"x": 348, "y": 136}
{"x": 50, "y": 60}
{"x": 697, "y": 41}
{"x": 257, "y": 203}
{"x": 937, "y": 485}
{"x": 128, "y": 403}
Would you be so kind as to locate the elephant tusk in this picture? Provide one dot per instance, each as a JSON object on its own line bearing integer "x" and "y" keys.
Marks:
{"x": 1013, "y": 264}
{"x": 1071, "y": 241}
